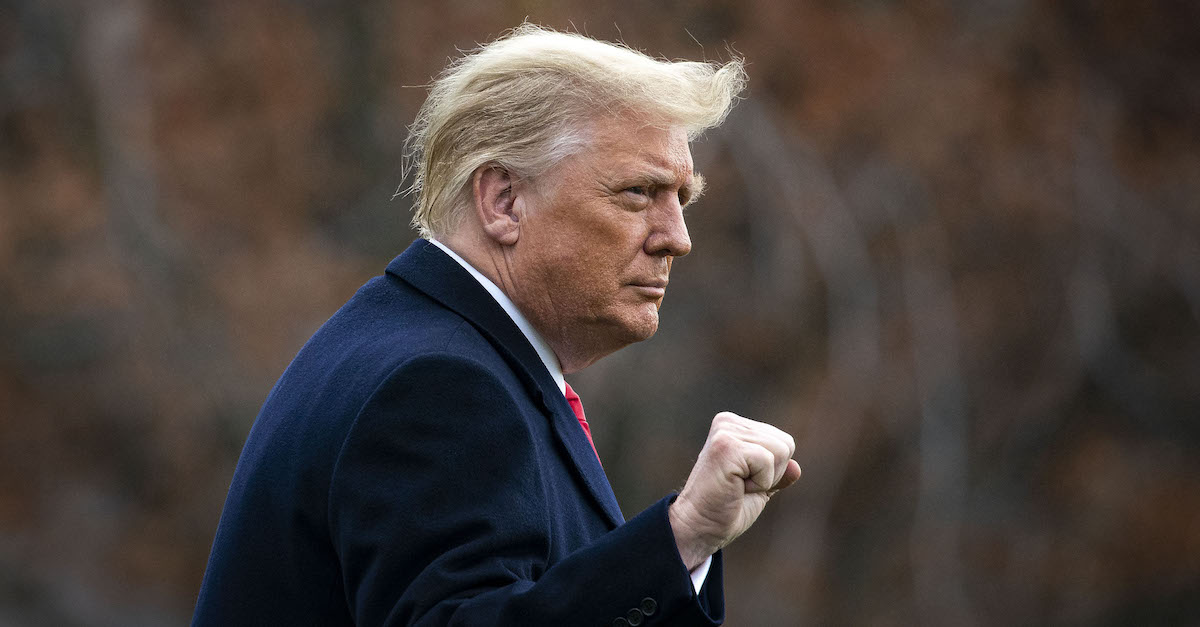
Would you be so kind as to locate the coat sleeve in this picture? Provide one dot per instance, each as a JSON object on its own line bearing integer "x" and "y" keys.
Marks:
{"x": 439, "y": 516}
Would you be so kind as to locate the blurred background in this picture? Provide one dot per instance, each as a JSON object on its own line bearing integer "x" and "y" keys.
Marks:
{"x": 953, "y": 246}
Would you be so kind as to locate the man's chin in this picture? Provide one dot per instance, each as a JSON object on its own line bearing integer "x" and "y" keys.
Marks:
{"x": 644, "y": 325}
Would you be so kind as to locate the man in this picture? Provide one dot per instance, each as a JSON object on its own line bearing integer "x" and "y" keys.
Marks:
{"x": 422, "y": 461}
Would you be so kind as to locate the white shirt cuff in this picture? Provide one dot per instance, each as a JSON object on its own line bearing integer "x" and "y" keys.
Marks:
{"x": 700, "y": 574}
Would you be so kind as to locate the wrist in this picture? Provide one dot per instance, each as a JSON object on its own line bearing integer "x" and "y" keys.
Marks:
{"x": 692, "y": 547}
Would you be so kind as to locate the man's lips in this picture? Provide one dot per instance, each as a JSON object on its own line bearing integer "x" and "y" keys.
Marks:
{"x": 655, "y": 288}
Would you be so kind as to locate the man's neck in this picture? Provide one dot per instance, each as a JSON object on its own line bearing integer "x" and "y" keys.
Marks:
{"x": 549, "y": 359}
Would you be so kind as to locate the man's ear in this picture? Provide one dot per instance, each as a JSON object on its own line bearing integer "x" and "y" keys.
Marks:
{"x": 492, "y": 188}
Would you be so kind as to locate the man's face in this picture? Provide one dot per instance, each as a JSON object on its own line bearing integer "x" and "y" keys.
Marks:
{"x": 598, "y": 233}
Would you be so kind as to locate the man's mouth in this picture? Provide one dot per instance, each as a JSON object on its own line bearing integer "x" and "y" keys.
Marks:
{"x": 655, "y": 288}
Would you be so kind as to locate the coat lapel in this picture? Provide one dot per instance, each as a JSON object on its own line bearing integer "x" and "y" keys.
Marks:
{"x": 427, "y": 268}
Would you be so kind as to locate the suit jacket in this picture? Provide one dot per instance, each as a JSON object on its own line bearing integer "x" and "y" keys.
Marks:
{"x": 417, "y": 465}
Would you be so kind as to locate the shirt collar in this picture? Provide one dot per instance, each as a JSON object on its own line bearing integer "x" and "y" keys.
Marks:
{"x": 549, "y": 359}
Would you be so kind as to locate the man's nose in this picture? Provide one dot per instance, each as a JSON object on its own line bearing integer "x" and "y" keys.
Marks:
{"x": 668, "y": 232}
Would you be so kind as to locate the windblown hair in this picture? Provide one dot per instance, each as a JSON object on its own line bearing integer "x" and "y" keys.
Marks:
{"x": 526, "y": 100}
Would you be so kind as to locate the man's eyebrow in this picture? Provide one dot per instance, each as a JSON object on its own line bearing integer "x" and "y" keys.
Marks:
{"x": 664, "y": 178}
{"x": 695, "y": 190}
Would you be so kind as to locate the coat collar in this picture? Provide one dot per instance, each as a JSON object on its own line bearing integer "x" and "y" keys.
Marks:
{"x": 432, "y": 271}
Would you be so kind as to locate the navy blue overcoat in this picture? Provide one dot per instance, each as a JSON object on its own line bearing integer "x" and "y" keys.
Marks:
{"x": 417, "y": 465}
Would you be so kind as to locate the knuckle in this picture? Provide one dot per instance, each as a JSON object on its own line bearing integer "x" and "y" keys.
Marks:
{"x": 723, "y": 442}
{"x": 723, "y": 417}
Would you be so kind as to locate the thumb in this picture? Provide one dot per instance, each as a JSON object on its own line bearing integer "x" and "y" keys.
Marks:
{"x": 790, "y": 475}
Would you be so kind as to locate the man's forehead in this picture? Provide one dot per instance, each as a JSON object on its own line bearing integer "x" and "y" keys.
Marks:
{"x": 654, "y": 152}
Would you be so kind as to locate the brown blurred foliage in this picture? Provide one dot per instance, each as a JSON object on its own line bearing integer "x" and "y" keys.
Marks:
{"x": 953, "y": 246}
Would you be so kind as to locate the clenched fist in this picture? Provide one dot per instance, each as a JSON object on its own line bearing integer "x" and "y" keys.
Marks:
{"x": 743, "y": 463}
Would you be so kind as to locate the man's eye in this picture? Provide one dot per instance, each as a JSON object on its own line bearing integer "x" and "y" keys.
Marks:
{"x": 638, "y": 190}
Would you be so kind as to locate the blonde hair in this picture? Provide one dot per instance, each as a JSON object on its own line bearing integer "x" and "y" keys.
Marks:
{"x": 525, "y": 101}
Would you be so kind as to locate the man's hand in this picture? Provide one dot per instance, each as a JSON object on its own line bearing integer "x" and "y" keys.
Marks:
{"x": 742, "y": 465}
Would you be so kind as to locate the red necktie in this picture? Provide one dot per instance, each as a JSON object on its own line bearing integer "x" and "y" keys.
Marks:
{"x": 577, "y": 407}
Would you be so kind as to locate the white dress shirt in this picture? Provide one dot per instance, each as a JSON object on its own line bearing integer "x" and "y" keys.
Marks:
{"x": 549, "y": 359}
